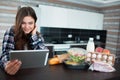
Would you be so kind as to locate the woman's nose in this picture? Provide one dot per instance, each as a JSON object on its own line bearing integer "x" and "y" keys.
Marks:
{"x": 27, "y": 25}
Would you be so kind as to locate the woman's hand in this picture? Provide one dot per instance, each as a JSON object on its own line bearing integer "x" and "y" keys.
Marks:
{"x": 12, "y": 67}
{"x": 34, "y": 30}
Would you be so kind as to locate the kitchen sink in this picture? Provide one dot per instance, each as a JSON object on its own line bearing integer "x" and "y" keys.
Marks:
{"x": 69, "y": 42}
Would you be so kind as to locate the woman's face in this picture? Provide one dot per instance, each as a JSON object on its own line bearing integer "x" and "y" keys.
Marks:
{"x": 28, "y": 24}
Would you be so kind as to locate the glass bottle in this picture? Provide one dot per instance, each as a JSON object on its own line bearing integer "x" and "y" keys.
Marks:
{"x": 90, "y": 45}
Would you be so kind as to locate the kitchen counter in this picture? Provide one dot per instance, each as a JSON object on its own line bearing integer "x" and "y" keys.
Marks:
{"x": 81, "y": 43}
{"x": 61, "y": 48}
{"x": 60, "y": 72}
{"x": 56, "y": 46}
{"x": 49, "y": 44}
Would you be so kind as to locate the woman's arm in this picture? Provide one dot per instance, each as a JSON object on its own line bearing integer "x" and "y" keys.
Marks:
{"x": 7, "y": 45}
{"x": 37, "y": 42}
{"x": 10, "y": 67}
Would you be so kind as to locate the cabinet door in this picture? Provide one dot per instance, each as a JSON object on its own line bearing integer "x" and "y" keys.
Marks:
{"x": 53, "y": 16}
{"x": 85, "y": 20}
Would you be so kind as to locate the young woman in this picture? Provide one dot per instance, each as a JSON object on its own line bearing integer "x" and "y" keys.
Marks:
{"x": 23, "y": 35}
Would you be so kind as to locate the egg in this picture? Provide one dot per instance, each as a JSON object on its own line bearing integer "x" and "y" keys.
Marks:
{"x": 110, "y": 58}
{"x": 105, "y": 57}
{"x": 110, "y": 62}
{"x": 93, "y": 60}
{"x": 94, "y": 55}
{"x": 99, "y": 56}
{"x": 88, "y": 54}
{"x": 104, "y": 61}
{"x": 88, "y": 59}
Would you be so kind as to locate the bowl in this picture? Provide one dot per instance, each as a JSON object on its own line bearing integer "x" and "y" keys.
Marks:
{"x": 73, "y": 65}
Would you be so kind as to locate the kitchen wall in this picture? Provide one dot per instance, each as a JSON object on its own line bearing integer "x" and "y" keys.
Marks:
{"x": 62, "y": 35}
{"x": 8, "y": 10}
{"x": 112, "y": 25}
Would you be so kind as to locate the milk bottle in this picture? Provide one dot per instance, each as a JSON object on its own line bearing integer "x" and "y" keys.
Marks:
{"x": 90, "y": 45}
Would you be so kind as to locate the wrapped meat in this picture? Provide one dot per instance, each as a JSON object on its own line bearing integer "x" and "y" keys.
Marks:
{"x": 101, "y": 66}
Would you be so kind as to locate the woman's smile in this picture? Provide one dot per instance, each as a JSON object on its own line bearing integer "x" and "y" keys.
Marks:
{"x": 28, "y": 24}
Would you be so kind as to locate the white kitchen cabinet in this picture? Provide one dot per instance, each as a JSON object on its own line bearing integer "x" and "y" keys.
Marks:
{"x": 85, "y": 20}
{"x": 52, "y": 16}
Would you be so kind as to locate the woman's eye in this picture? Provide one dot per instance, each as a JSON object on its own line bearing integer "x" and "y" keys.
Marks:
{"x": 30, "y": 23}
{"x": 23, "y": 23}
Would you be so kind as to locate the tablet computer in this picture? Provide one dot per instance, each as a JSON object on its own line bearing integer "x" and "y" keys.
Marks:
{"x": 30, "y": 58}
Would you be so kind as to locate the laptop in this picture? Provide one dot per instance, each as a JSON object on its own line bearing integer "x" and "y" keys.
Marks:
{"x": 30, "y": 58}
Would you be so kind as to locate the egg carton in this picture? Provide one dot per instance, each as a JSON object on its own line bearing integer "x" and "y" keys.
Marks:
{"x": 107, "y": 58}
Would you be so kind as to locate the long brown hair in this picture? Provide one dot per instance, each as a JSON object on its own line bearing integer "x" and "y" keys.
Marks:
{"x": 20, "y": 38}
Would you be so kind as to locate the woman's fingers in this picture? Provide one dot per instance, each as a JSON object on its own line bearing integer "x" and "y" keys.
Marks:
{"x": 34, "y": 30}
{"x": 15, "y": 69}
{"x": 12, "y": 67}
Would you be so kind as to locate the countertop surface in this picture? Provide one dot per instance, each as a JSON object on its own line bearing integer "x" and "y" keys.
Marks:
{"x": 60, "y": 72}
{"x": 81, "y": 43}
{"x": 64, "y": 47}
